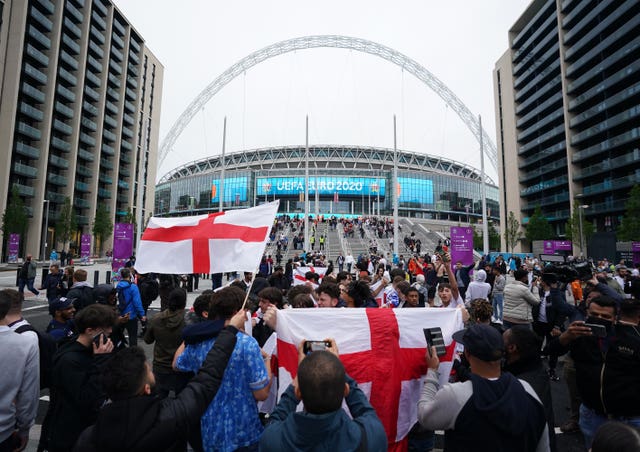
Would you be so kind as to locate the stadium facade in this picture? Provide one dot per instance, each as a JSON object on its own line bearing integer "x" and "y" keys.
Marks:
{"x": 79, "y": 113}
{"x": 350, "y": 181}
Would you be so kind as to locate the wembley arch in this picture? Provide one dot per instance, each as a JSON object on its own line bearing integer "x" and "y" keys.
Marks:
{"x": 339, "y": 42}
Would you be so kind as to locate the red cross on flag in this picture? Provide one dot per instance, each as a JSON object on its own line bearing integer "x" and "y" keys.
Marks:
{"x": 214, "y": 243}
{"x": 300, "y": 272}
{"x": 382, "y": 349}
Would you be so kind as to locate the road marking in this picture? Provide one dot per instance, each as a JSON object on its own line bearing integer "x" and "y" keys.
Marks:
{"x": 35, "y": 307}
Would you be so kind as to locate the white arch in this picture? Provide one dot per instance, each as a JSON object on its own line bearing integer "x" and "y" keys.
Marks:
{"x": 335, "y": 41}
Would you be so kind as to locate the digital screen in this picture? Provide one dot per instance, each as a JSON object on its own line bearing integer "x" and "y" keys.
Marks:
{"x": 415, "y": 191}
{"x": 235, "y": 190}
{"x": 326, "y": 185}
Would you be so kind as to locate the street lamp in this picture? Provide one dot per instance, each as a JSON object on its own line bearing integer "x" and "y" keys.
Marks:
{"x": 46, "y": 229}
{"x": 580, "y": 209}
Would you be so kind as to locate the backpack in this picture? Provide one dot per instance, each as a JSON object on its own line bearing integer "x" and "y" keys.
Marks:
{"x": 48, "y": 347}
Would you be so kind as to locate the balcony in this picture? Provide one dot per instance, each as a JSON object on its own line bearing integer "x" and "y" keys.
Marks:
{"x": 110, "y": 121}
{"x": 82, "y": 187}
{"x": 128, "y": 119}
{"x": 611, "y": 184}
{"x": 62, "y": 127}
{"x": 25, "y": 190}
{"x": 57, "y": 179}
{"x": 96, "y": 49}
{"x": 29, "y": 131}
{"x": 27, "y": 151}
{"x": 89, "y": 124}
{"x": 40, "y": 37}
{"x": 123, "y": 184}
{"x": 111, "y": 107}
{"x": 76, "y": 15}
{"x": 607, "y": 165}
{"x": 33, "y": 93}
{"x": 117, "y": 40}
{"x": 97, "y": 4}
{"x": 68, "y": 76}
{"x": 58, "y": 162}
{"x": 56, "y": 197}
{"x": 113, "y": 94}
{"x": 48, "y": 5}
{"x": 25, "y": 170}
{"x": 129, "y": 106}
{"x": 104, "y": 193}
{"x": 126, "y": 145}
{"x": 41, "y": 19}
{"x": 71, "y": 61}
{"x": 60, "y": 144}
{"x": 73, "y": 28}
{"x": 99, "y": 21}
{"x": 82, "y": 220}
{"x": 115, "y": 80}
{"x": 105, "y": 163}
{"x": 35, "y": 74}
{"x": 93, "y": 94}
{"x": 117, "y": 54}
{"x": 97, "y": 34}
{"x": 63, "y": 109}
{"x": 127, "y": 132}
{"x": 108, "y": 135}
{"x": 133, "y": 57}
{"x": 71, "y": 43}
{"x": 135, "y": 46}
{"x": 93, "y": 79}
{"x": 95, "y": 64}
{"x": 90, "y": 108}
{"x": 125, "y": 158}
{"x": 66, "y": 93}
{"x": 124, "y": 172}
{"x": 108, "y": 150}
{"x": 86, "y": 155}
{"x": 117, "y": 68}
{"x": 87, "y": 139}
{"x": 119, "y": 27}
{"x": 37, "y": 55}
{"x": 106, "y": 179}
{"x": 31, "y": 112}
{"x": 84, "y": 171}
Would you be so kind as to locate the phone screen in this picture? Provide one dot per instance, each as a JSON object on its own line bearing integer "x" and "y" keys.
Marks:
{"x": 314, "y": 346}
{"x": 435, "y": 339}
{"x": 597, "y": 330}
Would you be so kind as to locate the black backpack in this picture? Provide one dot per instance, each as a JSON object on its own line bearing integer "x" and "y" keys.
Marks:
{"x": 48, "y": 348}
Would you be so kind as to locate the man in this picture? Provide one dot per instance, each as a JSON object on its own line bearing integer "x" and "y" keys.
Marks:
{"x": 490, "y": 412}
{"x": 149, "y": 290}
{"x": 522, "y": 359}
{"x": 411, "y": 298}
{"x": 279, "y": 280}
{"x": 130, "y": 304}
{"x": 245, "y": 283}
{"x": 81, "y": 291}
{"x": 340, "y": 262}
{"x": 497, "y": 293}
{"x": 549, "y": 316}
{"x": 449, "y": 293}
{"x": 267, "y": 297}
{"x": 27, "y": 276}
{"x": 165, "y": 330}
{"x": 76, "y": 394}
{"x": 19, "y": 380}
{"x": 322, "y": 384}
{"x": 349, "y": 261}
{"x": 329, "y": 296}
{"x": 53, "y": 283}
{"x": 478, "y": 288}
{"x": 462, "y": 277}
{"x": 518, "y": 301}
{"x": 607, "y": 368}
{"x": 134, "y": 420}
{"x": 61, "y": 325}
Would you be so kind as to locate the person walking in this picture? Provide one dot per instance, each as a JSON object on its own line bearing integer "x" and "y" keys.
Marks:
{"x": 27, "y": 276}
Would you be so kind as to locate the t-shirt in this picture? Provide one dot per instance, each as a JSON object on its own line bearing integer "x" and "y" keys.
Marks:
{"x": 231, "y": 420}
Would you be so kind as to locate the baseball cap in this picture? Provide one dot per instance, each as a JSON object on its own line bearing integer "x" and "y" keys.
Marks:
{"x": 60, "y": 304}
{"x": 482, "y": 341}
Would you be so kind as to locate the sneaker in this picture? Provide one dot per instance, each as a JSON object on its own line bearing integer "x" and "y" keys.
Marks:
{"x": 570, "y": 426}
{"x": 552, "y": 375}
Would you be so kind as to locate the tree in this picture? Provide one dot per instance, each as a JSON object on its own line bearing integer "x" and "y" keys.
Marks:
{"x": 15, "y": 219}
{"x": 512, "y": 232}
{"x": 66, "y": 225}
{"x": 630, "y": 226}
{"x": 494, "y": 238}
{"x": 538, "y": 227}
{"x": 573, "y": 227}
{"x": 102, "y": 224}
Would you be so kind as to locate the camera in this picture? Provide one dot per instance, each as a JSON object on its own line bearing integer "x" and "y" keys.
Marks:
{"x": 566, "y": 273}
{"x": 315, "y": 346}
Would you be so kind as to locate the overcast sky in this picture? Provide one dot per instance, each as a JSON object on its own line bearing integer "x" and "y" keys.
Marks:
{"x": 350, "y": 97}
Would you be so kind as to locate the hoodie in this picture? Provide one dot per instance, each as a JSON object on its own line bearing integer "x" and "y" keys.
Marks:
{"x": 504, "y": 414}
{"x": 478, "y": 288}
{"x": 165, "y": 329}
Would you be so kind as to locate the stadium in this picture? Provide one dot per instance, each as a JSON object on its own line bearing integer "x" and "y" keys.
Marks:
{"x": 344, "y": 181}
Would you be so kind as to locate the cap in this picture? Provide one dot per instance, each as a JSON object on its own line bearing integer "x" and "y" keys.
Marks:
{"x": 60, "y": 304}
{"x": 482, "y": 341}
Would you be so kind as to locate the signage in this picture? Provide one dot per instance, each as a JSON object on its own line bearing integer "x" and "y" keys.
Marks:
{"x": 122, "y": 245}
{"x": 461, "y": 245}
{"x": 14, "y": 248}
{"x": 85, "y": 246}
{"x": 326, "y": 185}
{"x": 551, "y": 246}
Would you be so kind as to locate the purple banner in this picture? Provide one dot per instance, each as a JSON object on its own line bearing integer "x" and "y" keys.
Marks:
{"x": 14, "y": 248}
{"x": 85, "y": 246}
{"x": 551, "y": 246}
{"x": 635, "y": 247}
{"x": 461, "y": 245}
{"x": 122, "y": 245}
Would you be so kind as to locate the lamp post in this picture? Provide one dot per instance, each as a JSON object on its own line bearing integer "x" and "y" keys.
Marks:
{"x": 580, "y": 209}
{"x": 46, "y": 229}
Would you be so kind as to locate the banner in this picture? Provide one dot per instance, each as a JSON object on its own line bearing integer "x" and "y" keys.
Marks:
{"x": 300, "y": 272}
{"x": 85, "y": 246}
{"x": 551, "y": 246}
{"x": 14, "y": 248}
{"x": 382, "y": 349}
{"x": 461, "y": 245}
{"x": 122, "y": 245}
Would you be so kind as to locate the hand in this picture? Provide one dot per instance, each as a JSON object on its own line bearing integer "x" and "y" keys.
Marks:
{"x": 465, "y": 313}
{"x": 555, "y": 331}
{"x": 106, "y": 346}
{"x": 333, "y": 348}
{"x": 238, "y": 319}
{"x": 576, "y": 330}
{"x": 270, "y": 317}
{"x": 432, "y": 359}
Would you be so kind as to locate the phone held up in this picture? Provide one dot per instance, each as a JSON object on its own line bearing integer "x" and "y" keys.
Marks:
{"x": 315, "y": 346}
{"x": 435, "y": 339}
{"x": 597, "y": 330}
{"x": 99, "y": 339}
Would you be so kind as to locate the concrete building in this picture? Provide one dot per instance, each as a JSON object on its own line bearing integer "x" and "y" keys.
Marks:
{"x": 567, "y": 115}
{"x": 79, "y": 113}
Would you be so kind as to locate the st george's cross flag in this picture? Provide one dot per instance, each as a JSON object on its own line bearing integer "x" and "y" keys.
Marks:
{"x": 215, "y": 243}
{"x": 382, "y": 349}
{"x": 300, "y": 272}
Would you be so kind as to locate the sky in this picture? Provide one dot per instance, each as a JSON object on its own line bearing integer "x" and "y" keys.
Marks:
{"x": 349, "y": 96}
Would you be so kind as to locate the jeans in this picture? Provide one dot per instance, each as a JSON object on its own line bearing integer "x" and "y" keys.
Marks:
{"x": 506, "y": 324}
{"x": 590, "y": 421}
{"x": 498, "y": 299}
{"x": 132, "y": 328}
{"x": 29, "y": 283}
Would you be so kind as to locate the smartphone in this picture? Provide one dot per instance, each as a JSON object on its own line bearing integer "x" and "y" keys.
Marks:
{"x": 98, "y": 339}
{"x": 315, "y": 346}
{"x": 434, "y": 339}
{"x": 597, "y": 330}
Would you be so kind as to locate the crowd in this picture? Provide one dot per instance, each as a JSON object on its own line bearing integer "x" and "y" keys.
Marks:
{"x": 211, "y": 386}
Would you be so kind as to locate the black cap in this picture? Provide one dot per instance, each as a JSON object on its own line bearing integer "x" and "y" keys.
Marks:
{"x": 60, "y": 304}
{"x": 482, "y": 341}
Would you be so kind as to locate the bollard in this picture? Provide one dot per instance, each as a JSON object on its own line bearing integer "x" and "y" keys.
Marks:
{"x": 45, "y": 272}
{"x": 190, "y": 283}
{"x": 18, "y": 278}
{"x": 96, "y": 277}
{"x": 108, "y": 279}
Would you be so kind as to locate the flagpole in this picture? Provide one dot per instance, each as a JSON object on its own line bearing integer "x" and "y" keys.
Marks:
{"x": 306, "y": 186}
{"x": 224, "y": 144}
{"x": 485, "y": 224}
{"x": 395, "y": 189}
